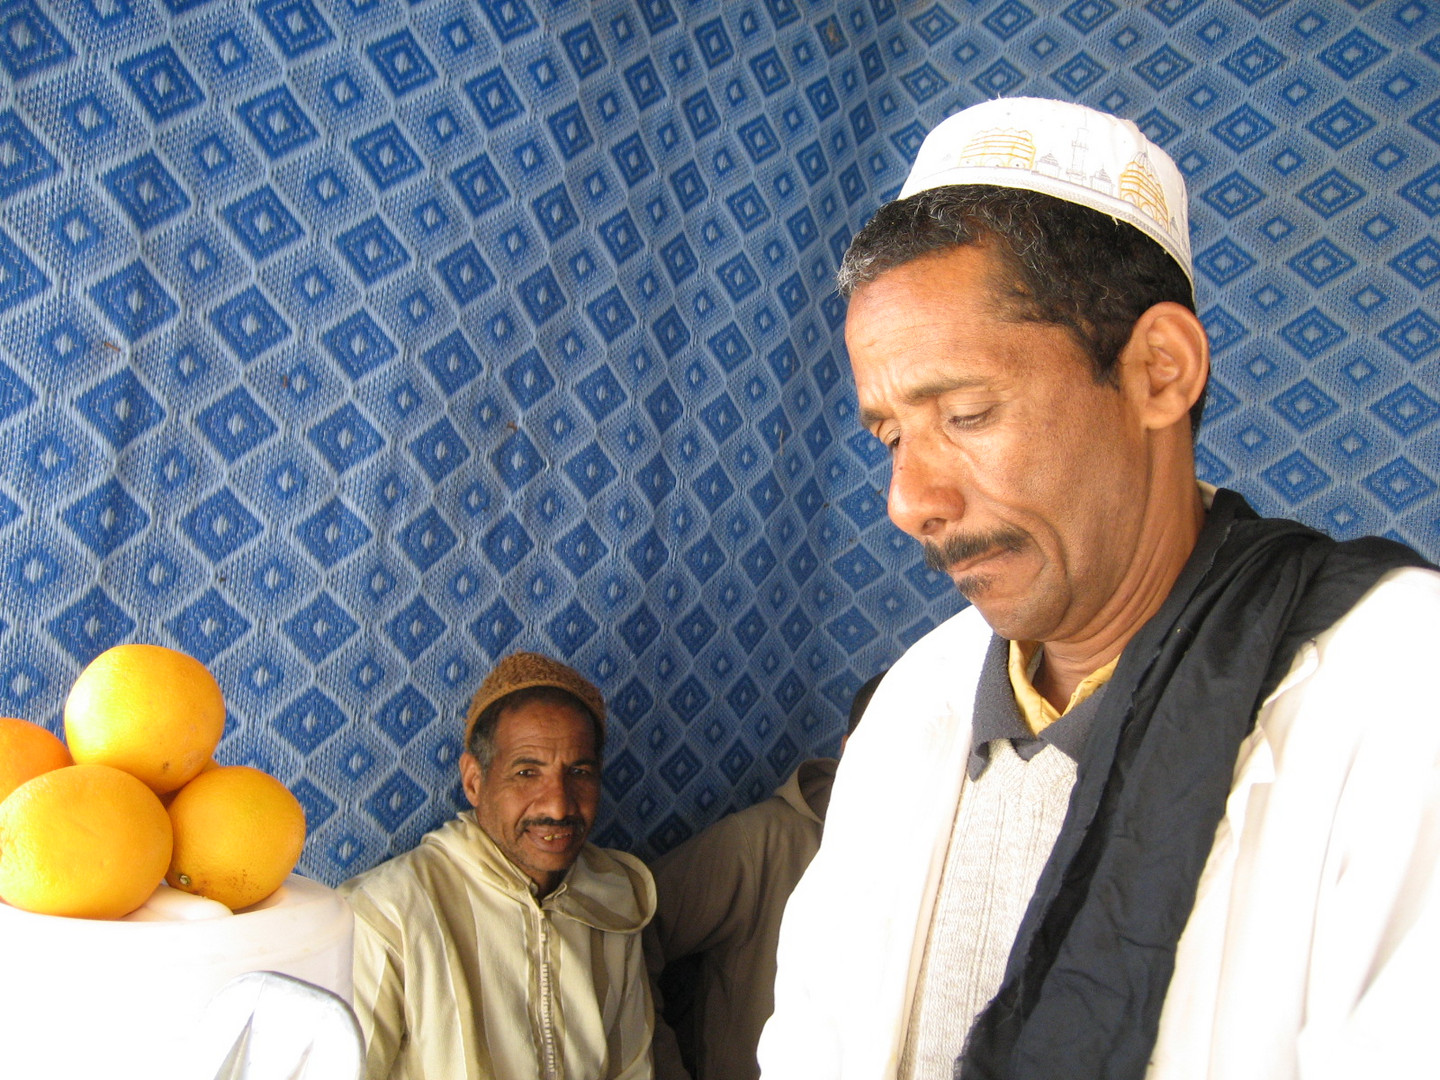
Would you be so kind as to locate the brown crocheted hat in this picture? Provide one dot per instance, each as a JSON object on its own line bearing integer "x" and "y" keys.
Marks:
{"x": 522, "y": 670}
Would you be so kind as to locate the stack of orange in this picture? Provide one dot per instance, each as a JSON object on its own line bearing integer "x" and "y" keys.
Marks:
{"x": 90, "y": 830}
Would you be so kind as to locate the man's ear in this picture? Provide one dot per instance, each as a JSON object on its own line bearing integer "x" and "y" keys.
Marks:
{"x": 1168, "y": 355}
{"x": 472, "y": 777}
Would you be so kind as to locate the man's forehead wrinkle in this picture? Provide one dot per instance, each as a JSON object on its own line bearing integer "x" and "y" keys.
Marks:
{"x": 941, "y": 384}
{"x": 537, "y": 752}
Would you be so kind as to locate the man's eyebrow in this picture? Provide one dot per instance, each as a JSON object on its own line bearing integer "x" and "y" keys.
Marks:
{"x": 524, "y": 759}
{"x": 924, "y": 391}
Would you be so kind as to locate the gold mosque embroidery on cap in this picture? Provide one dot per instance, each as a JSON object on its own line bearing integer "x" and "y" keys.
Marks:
{"x": 1000, "y": 148}
{"x": 1140, "y": 187}
{"x": 1014, "y": 148}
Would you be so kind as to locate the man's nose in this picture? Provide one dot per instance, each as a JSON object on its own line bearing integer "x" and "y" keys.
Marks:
{"x": 925, "y": 495}
{"x": 555, "y": 798}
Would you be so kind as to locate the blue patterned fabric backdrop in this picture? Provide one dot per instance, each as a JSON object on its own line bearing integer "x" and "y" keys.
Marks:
{"x": 350, "y": 344}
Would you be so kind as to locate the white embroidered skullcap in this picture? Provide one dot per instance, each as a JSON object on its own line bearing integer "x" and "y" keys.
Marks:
{"x": 1065, "y": 150}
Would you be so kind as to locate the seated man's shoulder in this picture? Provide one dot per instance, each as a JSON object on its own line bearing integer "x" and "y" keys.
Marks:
{"x": 769, "y": 828}
{"x": 397, "y": 879}
{"x": 700, "y": 851}
{"x": 797, "y": 806}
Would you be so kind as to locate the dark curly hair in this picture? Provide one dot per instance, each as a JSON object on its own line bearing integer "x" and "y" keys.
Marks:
{"x": 1071, "y": 266}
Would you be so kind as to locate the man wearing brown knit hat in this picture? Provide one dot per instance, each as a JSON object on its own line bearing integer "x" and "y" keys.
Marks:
{"x": 505, "y": 945}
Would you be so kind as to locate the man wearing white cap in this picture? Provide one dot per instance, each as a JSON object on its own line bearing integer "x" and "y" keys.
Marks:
{"x": 1162, "y": 801}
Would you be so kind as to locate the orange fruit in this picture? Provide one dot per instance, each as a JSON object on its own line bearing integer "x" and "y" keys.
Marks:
{"x": 86, "y": 841}
{"x": 169, "y": 796}
{"x": 238, "y": 834}
{"x": 26, "y": 751}
{"x": 152, "y": 711}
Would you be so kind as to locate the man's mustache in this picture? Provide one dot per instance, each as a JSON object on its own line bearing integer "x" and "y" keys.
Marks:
{"x": 572, "y": 822}
{"x": 957, "y": 549}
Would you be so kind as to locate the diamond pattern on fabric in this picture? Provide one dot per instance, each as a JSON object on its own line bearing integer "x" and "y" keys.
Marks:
{"x": 349, "y": 347}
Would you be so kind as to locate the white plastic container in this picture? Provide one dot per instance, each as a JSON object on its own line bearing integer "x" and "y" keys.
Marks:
{"x": 121, "y": 999}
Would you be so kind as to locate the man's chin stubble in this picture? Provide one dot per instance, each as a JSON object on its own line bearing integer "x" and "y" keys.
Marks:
{"x": 974, "y": 586}
{"x": 962, "y": 549}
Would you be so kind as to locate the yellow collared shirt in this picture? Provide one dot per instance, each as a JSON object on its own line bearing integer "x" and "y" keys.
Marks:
{"x": 1038, "y": 713}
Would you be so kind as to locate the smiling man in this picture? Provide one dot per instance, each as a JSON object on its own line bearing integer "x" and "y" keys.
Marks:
{"x": 505, "y": 946}
{"x": 1163, "y": 800}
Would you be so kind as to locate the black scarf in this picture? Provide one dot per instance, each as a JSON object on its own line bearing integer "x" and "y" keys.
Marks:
{"x": 1091, "y": 964}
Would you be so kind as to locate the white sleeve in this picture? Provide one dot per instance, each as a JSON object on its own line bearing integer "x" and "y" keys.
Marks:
{"x": 800, "y": 1040}
{"x": 1373, "y": 994}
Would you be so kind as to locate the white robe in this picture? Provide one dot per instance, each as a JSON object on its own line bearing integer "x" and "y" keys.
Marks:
{"x": 463, "y": 973}
{"x": 1311, "y": 949}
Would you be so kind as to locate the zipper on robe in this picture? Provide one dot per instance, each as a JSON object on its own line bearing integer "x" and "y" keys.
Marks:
{"x": 549, "y": 1051}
